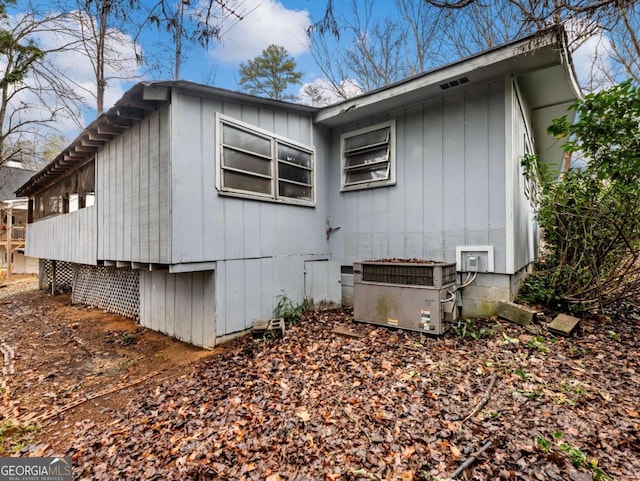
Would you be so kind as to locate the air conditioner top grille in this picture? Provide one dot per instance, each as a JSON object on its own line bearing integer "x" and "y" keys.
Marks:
{"x": 409, "y": 272}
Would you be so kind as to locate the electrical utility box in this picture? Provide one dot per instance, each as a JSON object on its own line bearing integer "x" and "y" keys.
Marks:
{"x": 413, "y": 295}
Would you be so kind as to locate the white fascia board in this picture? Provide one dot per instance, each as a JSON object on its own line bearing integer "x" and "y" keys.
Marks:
{"x": 509, "y": 174}
{"x": 155, "y": 92}
{"x": 567, "y": 63}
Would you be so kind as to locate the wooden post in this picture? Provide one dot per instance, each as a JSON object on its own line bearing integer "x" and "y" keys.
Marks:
{"x": 53, "y": 278}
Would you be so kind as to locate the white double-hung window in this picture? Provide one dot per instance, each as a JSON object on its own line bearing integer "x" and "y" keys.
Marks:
{"x": 368, "y": 157}
{"x": 260, "y": 164}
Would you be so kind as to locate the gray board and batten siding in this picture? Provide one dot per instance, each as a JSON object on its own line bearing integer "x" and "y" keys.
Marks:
{"x": 130, "y": 219}
{"x": 258, "y": 248}
{"x": 180, "y": 305}
{"x": 204, "y": 308}
{"x": 157, "y": 203}
{"x": 247, "y": 251}
{"x": 450, "y": 183}
{"x": 228, "y": 258}
{"x": 132, "y": 193}
{"x": 70, "y": 237}
{"x": 208, "y": 226}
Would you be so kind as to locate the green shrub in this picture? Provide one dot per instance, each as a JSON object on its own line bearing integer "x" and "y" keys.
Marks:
{"x": 589, "y": 217}
{"x": 289, "y": 310}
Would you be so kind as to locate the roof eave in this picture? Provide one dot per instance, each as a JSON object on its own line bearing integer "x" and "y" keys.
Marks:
{"x": 126, "y": 111}
{"x": 132, "y": 107}
{"x": 216, "y": 92}
{"x": 560, "y": 91}
{"x": 542, "y": 49}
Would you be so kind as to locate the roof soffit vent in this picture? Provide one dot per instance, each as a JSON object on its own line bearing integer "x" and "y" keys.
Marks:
{"x": 454, "y": 83}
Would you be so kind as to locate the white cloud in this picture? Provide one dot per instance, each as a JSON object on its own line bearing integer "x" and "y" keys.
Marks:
{"x": 269, "y": 22}
{"x": 324, "y": 93}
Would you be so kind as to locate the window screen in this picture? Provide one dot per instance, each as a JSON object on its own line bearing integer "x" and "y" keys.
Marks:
{"x": 68, "y": 194}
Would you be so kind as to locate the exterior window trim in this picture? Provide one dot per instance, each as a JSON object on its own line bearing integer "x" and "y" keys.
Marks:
{"x": 274, "y": 163}
{"x": 390, "y": 161}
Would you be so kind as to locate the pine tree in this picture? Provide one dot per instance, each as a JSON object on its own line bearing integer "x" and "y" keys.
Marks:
{"x": 270, "y": 74}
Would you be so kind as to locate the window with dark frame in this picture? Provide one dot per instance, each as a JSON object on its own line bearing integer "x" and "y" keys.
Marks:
{"x": 367, "y": 158}
{"x": 259, "y": 164}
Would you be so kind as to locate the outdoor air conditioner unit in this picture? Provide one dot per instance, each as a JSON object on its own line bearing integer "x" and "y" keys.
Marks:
{"x": 408, "y": 294}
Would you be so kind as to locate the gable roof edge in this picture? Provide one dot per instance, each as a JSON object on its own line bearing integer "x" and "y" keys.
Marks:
{"x": 554, "y": 37}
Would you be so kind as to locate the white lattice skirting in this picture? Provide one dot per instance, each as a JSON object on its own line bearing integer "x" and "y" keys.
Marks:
{"x": 64, "y": 272}
{"x": 115, "y": 290}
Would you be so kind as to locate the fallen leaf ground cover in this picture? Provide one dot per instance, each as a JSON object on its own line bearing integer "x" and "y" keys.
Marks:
{"x": 389, "y": 405}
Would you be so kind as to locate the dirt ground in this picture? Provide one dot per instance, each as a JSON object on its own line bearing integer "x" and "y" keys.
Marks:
{"x": 75, "y": 359}
{"x": 502, "y": 401}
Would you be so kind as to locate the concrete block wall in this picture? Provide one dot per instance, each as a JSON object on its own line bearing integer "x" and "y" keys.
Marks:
{"x": 482, "y": 296}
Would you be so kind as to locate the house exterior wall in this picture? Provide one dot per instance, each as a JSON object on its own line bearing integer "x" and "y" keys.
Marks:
{"x": 256, "y": 248}
{"x": 205, "y": 308}
{"x": 458, "y": 183}
{"x": 249, "y": 289}
{"x": 157, "y": 203}
{"x": 450, "y": 188}
{"x": 130, "y": 219}
{"x": 482, "y": 296}
{"x": 181, "y": 305}
{"x": 133, "y": 193}
{"x": 74, "y": 233}
{"x": 523, "y": 228}
{"x": 322, "y": 283}
{"x": 20, "y": 264}
{"x": 207, "y": 226}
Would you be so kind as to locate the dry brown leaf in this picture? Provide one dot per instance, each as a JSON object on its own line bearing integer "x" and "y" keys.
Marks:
{"x": 407, "y": 452}
{"x": 455, "y": 452}
{"x": 605, "y": 395}
{"x": 246, "y": 413}
{"x": 303, "y": 414}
